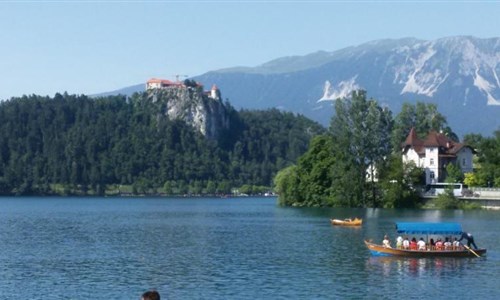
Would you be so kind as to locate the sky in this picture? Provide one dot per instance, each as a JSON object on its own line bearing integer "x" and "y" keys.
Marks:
{"x": 92, "y": 46}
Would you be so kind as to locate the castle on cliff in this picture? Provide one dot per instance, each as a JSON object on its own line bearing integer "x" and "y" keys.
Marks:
{"x": 155, "y": 83}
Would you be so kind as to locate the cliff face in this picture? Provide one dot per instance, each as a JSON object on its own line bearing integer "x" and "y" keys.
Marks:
{"x": 189, "y": 104}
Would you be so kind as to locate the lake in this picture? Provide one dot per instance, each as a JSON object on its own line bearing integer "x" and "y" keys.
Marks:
{"x": 234, "y": 248}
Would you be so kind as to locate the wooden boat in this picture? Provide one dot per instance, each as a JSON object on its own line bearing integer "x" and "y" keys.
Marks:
{"x": 379, "y": 250}
{"x": 347, "y": 222}
{"x": 425, "y": 229}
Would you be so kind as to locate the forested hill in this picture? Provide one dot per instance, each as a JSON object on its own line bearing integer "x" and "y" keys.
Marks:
{"x": 74, "y": 144}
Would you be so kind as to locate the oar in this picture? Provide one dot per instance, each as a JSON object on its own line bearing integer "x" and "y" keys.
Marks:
{"x": 473, "y": 252}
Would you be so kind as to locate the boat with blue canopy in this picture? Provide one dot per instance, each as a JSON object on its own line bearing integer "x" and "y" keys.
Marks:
{"x": 426, "y": 232}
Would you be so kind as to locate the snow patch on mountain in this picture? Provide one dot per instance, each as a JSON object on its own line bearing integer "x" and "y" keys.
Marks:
{"x": 342, "y": 90}
{"x": 459, "y": 74}
{"x": 416, "y": 78}
{"x": 486, "y": 87}
{"x": 496, "y": 77}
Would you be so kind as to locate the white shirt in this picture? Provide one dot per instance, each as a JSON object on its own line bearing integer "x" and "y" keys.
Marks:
{"x": 421, "y": 245}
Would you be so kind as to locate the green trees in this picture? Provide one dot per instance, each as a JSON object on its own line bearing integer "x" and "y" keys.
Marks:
{"x": 274, "y": 139}
{"x": 76, "y": 144}
{"x": 424, "y": 117}
{"x": 358, "y": 162}
{"x": 454, "y": 173}
{"x": 361, "y": 132}
{"x": 339, "y": 167}
{"x": 354, "y": 164}
{"x": 309, "y": 183}
{"x": 487, "y": 170}
{"x": 286, "y": 184}
{"x": 399, "y": 183}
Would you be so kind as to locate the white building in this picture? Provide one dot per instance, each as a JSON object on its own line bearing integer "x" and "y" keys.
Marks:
{"x": 214, "y": 92}
{"x": 434, "y": 153}
{"x": 155, "y": 83}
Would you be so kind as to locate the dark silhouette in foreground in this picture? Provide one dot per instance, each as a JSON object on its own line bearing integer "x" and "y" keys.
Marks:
{"x": 151, "y": 295}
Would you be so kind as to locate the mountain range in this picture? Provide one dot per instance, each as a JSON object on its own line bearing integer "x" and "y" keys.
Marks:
{"x": 460, "y": 74}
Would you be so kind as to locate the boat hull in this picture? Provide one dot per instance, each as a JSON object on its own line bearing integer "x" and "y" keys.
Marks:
{"x": 355, "y": 222}
{"x": 379, "y": 250}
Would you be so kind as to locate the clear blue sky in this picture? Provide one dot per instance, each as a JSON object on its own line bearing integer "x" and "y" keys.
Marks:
{"x": 87, "y": 47}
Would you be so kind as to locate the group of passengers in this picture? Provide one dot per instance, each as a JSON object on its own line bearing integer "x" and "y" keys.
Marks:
{"x": 413, "y": 244}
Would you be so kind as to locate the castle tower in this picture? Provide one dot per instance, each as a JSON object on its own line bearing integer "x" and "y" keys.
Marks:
{"x": 215, "y": 93}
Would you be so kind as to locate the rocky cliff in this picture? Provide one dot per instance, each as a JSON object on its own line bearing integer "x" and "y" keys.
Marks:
{"x": 189, "y": 104}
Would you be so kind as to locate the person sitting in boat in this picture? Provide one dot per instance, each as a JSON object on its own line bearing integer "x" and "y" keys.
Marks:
{"x": 447, "y": 244}
{"x": 439, "y": 244}
{"x": 413, "y": 244}
{"x": 406, "y": 243}
{"x": 421, "y": 244}
{"x": 399, "y": 242}
{"x": 386, "y": 243}
{"x": 432, "y": 245}
{"x": 469, "y": 238}
{"x": 456, "y": 244}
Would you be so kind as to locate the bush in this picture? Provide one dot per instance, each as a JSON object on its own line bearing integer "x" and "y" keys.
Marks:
{"x": 446, "y": 200}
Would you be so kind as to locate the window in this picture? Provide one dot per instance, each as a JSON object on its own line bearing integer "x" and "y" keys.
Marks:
{"x": 432, "y": 161}
{"x": 432, "y": 174}
{"x": 463, "y": 161}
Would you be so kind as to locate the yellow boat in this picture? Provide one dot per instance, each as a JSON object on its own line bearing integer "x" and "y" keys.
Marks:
{"x": 347, "y": 222}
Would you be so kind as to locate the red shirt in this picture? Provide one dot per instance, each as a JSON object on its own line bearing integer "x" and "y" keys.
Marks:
{"x": 413, "y": 245}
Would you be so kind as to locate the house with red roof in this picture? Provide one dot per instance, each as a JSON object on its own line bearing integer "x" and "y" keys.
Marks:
{"x": 434, "y": 153}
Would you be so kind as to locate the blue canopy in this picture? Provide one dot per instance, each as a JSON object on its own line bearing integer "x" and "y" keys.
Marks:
{"x": 429, "y": 228}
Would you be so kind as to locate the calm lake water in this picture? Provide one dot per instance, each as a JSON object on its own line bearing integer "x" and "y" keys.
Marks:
{"x": 236, "y": 248}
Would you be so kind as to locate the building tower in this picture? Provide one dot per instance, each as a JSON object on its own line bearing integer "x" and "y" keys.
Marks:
{"x": 215, "y": 93}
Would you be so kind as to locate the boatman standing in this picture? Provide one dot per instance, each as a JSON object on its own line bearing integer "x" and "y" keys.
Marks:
{"x": 469, "y": 238}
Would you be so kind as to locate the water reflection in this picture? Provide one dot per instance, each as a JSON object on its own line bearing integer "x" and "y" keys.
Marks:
{"x": 435, "y": 267}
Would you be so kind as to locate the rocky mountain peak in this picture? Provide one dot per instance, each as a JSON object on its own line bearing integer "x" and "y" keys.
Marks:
{"x": 460, "y": 74}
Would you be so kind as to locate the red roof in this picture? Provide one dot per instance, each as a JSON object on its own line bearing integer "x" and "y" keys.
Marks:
{"x": 446, "y": 145}
{"x": 156, "y": 80}
{"x": 163, "y": 81}
{"x": 434, "y": 139}
{"x": 412, "y": 139}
